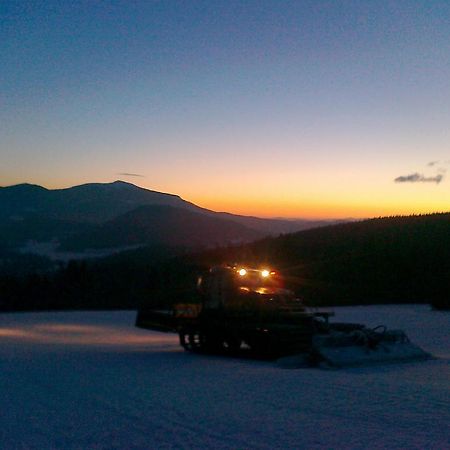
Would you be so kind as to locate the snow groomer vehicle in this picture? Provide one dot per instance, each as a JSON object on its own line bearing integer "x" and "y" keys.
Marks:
{"x": 249, "y": 311}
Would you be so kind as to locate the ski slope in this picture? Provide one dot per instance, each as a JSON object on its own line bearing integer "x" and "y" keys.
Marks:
{"x": 91, "y": 380}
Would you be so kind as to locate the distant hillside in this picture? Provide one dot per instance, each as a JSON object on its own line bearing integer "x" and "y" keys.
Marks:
{"x": 29, "y": 212}
{"x": 387, "y": 260}
{"x": 93, "y": 203}
{"x": 394, "y": 259}
{"x": 14, "y": 232}
{"x": 276, "y": 226}
{"x": 163, "y": 225}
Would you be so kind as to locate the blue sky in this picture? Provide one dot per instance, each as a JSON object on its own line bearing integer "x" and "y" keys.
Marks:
{"x": 294, "y": 108}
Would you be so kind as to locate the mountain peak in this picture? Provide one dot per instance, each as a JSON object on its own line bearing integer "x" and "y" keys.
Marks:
{"x": 122, "y": 183}
{"x": 25, "y": 187}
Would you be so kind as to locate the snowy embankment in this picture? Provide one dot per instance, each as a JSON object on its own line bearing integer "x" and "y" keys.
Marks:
{"x": 92, "y": 380}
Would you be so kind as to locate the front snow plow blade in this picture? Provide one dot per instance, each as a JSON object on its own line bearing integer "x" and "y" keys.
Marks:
{"x": 360, "y": 347}
{"x": 365, "y": 347}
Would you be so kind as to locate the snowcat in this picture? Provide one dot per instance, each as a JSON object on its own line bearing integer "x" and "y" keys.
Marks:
{"x": 249, "y": 311}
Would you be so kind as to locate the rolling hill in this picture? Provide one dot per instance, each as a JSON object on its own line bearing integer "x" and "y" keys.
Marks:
{"x": 163, "y": 225}
{"x": 91, "y": 203}
{"x": 30, "y": 212}
{"x": 384, "y": 260}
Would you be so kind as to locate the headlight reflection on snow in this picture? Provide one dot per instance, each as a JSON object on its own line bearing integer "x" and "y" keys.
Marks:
{"x": 69, "y": 328}
{"x": 85, "y": 335}
{"x": 11, "y": 332}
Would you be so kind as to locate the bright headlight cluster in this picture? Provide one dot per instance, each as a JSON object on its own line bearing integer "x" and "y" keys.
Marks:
{"x": 264, "y": 273}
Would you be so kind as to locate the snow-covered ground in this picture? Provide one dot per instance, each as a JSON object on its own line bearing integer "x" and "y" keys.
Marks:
{"x": 91, "y": 380}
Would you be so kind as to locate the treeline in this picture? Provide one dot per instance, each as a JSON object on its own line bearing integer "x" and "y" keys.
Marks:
{"x": 386, "y": 260}
{"x": 123, "y": 281}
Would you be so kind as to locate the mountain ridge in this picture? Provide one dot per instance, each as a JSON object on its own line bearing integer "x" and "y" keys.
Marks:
{"x": 163, "y": 225}
{"x": 99, "y": 202}
{"x": 77, "y": 221}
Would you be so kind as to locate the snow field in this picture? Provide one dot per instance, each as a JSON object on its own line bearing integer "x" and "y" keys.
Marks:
{"x": 78, "y": 380}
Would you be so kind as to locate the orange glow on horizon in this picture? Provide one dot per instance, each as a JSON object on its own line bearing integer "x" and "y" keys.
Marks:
{"x": 344, "y": 201}
{"x": 319, "y": 210}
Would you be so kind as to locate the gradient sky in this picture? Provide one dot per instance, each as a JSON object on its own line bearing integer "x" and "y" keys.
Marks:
{"x": 272, "y": 108}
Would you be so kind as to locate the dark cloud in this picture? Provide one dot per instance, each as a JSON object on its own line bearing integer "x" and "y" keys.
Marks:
{"x": 126, "y": 174}
{"x": 419, "y": 178}
{"x": 432, "y": 163}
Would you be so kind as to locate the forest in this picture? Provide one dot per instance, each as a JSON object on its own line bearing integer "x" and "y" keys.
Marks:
{"x": 383, "y": 260}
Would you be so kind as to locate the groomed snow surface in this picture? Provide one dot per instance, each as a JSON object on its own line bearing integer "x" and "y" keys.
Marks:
{"x": 91, "y": 380}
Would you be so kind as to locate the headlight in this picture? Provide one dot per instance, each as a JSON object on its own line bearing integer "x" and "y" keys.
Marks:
{"x": 242, "y": 272}
{"x": 265, "y": 273}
